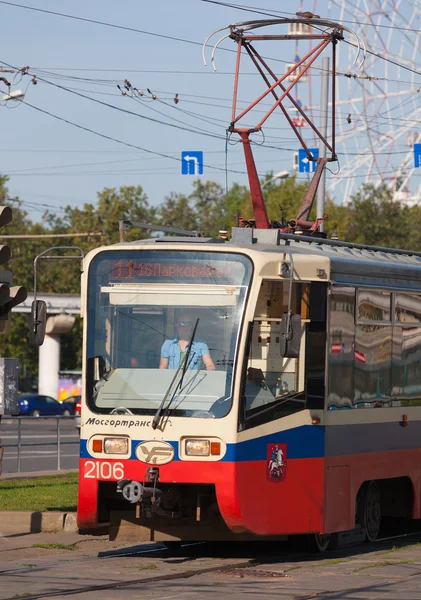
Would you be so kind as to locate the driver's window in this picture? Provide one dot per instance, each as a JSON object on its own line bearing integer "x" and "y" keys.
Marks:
{"x": 139, "y": 337}
{"x": 270, "y": 378}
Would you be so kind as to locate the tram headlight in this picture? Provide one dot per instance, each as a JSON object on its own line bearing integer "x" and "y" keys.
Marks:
{"x": 197, "y": 447}
{"x": 116, "y": 445}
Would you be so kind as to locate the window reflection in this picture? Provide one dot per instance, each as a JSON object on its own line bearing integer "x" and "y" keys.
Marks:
{"x": 374, "y": 305}
{"x": 341, "y": 348}
{"x": 408, "y": 308}
{"x": 406, "y": 372}
{"x": 373, "y": 362}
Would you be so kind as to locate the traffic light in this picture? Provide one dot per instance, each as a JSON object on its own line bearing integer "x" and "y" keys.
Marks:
{"x": 38, "y": 323}
{"x": 10, "y": 296}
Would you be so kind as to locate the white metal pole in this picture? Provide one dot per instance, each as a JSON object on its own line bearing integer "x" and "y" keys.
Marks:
{"x": 324, "y": 110}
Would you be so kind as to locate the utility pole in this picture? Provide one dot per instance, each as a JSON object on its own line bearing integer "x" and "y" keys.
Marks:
{"x": 324, "y": 110}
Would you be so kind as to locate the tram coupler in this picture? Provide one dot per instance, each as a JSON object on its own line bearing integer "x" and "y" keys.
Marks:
{"x": 134, "y": 492}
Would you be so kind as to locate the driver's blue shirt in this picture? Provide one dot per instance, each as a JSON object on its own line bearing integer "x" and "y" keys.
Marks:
{"x": 171, "y": 350}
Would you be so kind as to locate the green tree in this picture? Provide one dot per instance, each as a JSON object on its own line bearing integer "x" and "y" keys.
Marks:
{"x": 16, "y": 343}
{"x": 177, "y": 211}
{"x": 206, "y": 209}
{"x": 102, "y": 221}
{"x": 377, "y": 219}
{"x": 286, "y": 195}
{"x": 64, "y": 276}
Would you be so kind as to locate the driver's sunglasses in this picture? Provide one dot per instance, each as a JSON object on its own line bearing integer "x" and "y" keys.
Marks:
{"x": 185, "y": 323}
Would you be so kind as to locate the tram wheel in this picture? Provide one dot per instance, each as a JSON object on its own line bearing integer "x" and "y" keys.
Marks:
{"x": 370, "y": 510}
{"x": 318, "y": 542}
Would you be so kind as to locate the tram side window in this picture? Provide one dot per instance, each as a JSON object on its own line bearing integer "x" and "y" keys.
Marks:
{"x": 373, "y": 366}
{"x": 374, "y": 305}
{"x": 373, "y": 350}
{"x": 271, "y": 380}
{"x": 341, "y": 348}
{"x": 406, "y": 354}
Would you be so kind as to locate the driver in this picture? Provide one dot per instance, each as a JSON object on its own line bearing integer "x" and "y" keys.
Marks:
{"x": 174, "y": 351}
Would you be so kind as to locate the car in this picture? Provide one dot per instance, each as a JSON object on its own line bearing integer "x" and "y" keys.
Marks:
{"x": 72, "y": 401}
{"x": 38, "y": 405}
{"x": 77, "y": 413}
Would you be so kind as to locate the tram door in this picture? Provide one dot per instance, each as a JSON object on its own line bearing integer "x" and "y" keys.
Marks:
{"x": 269, "y": 376}
{"x": 275, "y": 388}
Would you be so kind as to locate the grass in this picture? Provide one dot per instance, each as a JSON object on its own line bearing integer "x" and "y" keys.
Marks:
{"x": 53, "y": 546}
{"x": 332, "y": 561}
{"x": 399, "y": 548}
{"x": 50, "y": 493}
{"x": 389, "y": 551}
{"x": 385, "y": 563}
{"x": 147, "y": 567}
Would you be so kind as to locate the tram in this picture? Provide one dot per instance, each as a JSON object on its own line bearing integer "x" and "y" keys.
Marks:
{"x": 260, "y": 387}
{"x": 308, "y": 420}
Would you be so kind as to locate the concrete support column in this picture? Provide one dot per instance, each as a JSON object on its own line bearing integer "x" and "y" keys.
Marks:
{"x": 49, "y": 354}
{"x": 49, "y": 366}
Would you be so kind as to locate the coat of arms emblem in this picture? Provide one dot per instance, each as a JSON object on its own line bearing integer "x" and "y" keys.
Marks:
{"x": 276, "y": 462}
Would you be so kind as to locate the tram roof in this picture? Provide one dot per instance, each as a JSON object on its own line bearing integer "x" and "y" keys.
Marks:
{"x": 349, "y": 264}
{"x": 272, "y": 240}
{"x": 355, "y": 264}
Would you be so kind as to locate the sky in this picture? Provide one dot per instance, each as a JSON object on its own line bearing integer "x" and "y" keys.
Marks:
{"x": 52, "y": 163}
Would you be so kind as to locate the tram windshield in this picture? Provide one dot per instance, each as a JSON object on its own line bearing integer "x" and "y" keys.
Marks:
{"x": 154, "y": 315}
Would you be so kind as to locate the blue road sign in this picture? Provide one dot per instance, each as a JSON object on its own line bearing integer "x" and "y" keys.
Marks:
{"x": 192, "y": 163}
{"x": 417, "y": 155}
{"x": 305, "y": 165}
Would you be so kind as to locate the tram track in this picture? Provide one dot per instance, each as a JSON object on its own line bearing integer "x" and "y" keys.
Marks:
{"x": 258, "y": 558}
{"x": 107, "y": 555}
{"x": 186, "y": 574}
{"x": 134, "y": 551}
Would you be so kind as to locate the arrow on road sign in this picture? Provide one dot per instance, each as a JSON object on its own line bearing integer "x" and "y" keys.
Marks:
{"x": 192, "y": 163}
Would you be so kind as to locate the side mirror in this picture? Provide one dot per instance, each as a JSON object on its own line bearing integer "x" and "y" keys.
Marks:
{"x": 38, "y": 323}
{"x": 290, "y": 335}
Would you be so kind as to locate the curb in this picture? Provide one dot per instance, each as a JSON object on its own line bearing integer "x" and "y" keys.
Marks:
{"x": 35, "y": 474}
{"x": 39, "y": 522}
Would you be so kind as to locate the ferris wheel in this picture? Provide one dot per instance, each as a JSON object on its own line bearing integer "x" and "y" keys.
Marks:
{"x": 378, "y": 108}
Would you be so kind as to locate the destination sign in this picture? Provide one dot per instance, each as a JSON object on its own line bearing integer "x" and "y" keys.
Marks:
{"x": 130, "y": 269}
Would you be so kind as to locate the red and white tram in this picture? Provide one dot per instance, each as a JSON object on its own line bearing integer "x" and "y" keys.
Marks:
{"x": 310, "y": 420}
{"x": 269, "y": 385}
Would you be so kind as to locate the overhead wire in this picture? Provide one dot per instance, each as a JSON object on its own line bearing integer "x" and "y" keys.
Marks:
{"x": 97, "y": 22}
{"x": 215, "y": 167}
{"x": 144, "y": 32}
{"x": 196, "y": 130}
{"x": 124, "y": 110}
{"x": 189, "y": 113}
{"x": 184, "y": 72}
{"x": 136, "y": 114}
{"x": 111, "y": 138}
{"x": 274, "y": 13}
{"x": 244, "y": 7}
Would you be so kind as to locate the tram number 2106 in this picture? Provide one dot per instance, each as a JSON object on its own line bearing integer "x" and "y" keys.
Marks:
{"x": 103, "y": 470}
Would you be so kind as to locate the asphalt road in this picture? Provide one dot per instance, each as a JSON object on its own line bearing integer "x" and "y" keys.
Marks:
{"x": 43, "y": 433}
{"x": 63, "y": 566}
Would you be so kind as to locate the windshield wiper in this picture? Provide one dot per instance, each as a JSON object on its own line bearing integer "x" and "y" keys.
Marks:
{"x": 181, "y": 367}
